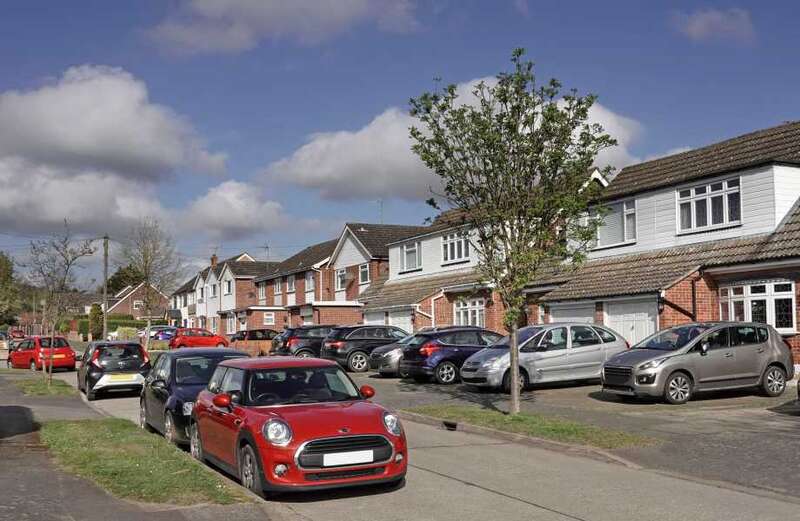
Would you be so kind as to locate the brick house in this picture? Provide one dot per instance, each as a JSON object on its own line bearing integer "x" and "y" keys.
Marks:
{"x": 131, "y": 301}
{"x": 239, "y": 308}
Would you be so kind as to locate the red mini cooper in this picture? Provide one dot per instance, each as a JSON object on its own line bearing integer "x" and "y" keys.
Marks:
{"x": 295, "y": 424}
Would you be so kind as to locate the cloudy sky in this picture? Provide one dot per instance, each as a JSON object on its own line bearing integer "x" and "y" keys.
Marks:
{"x": 245, "y": 123}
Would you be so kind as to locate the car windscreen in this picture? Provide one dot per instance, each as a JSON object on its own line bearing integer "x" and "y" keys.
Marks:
{"x": 523, "y": 335}
{"x": 59, "y": 342}
{"x": 672, "y": 339}
{"x": 299, "y": 385}
{"x": 120, "y": 352}
{"x": 417, "y": 340}
{"x": 406, "y": 340}
{"x": 197, "y": 370}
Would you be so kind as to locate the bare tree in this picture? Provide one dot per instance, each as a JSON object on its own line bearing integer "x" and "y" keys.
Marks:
{"x": 150, "y": 252}
{"x": 51, "y": 267}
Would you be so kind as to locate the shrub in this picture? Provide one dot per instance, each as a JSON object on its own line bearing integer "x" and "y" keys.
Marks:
{"x": 126, "y": 333}
{"x": 96, "y": 321}
{"x": 83, "y": 327}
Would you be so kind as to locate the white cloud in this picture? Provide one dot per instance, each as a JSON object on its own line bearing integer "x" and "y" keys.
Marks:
{"x": 237, "y": 25}
{"x": 732, "y": 24}
{"x": 100, "y": 118}
{"x": 376, "y": 160}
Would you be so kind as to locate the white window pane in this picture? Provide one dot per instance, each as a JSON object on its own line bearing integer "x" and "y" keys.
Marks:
{"x": 686, "y": 216}
{"x": 724, "y": 311}
{"x": 784, "y": 313}
{"x": 734, "y": 207}
{"x": 701, "y": 213}
{"x": 738, "y": 310}
{"x": 685, "y": 193}
{"x": 716, "y": 187}
{"x": 630, "y": 227}
{"x": 733, "y": 183}
{"x": 610, "y": 231}
{"x": 717, "y": 213}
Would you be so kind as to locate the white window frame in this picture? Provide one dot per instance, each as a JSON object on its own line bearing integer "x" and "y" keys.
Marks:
{"x": 290, "y": 284}
{"x": 727, "y": 299}
{"x": 262, "y": 291}
{"x": 693, "y": 199}
{"x": 213, "y": 291}
{"x": 228, "y": 287}
{"x": 138, "y": 304}
{"x": 202, "y": 294}
{"x": 278, "y": 286}
{"x": 340, "y": 278}
{"x": 454, "y": 244}
{"x": 469, "y": 312}
{"x": 628, "y": 207}
{"x": 269, "y": 318}
{"x": 309, "y": 282}
{"x": 417, "y": 247}
{"x": 231, "y": 324}
{"x": 362, "y": 269}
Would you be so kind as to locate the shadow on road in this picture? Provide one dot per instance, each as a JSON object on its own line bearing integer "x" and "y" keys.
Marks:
{"x": 16, "y": 420}
{"x": 342, "y": 493}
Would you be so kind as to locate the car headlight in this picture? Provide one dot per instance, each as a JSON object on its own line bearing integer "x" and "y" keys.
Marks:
{"x": 188, "y": 407}
{"x": 494, "y": 364}
{"x": 652, "y": 364}
{"x": 392, "y": 424}
{"x": 277, "y": 432}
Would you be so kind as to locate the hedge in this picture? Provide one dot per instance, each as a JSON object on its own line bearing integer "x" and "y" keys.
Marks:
{"x": 83, "y": 324}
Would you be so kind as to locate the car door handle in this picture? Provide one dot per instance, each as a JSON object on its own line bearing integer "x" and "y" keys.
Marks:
{"x": 760, "y": 350}
{"x": 728, "y": 355}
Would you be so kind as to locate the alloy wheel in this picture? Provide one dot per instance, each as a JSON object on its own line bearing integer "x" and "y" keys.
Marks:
{"x": 358, "y": 362}
{"x": 248, "y": 469}
{"x": 446, "y": 373}
{"x": 33, "y": 366}
{"x": 195, "y": 446}
{"x": 776, "y": 382}
{"x": 679, "y": 388}
{"x": 142, "y": 415}
{"x": 169, "y": 428}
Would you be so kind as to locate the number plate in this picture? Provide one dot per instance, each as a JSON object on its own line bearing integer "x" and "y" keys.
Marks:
{"x": 122, "y": 377}
{"x": 56, "y": 357}
{"x": 347, "y": 458}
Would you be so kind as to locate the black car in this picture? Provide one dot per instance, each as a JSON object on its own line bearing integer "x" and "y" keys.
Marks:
{"x": 441, "y": 353}
{"x": 303, "y": 341}
{"x": 170, "y": 390}
{"x": 351, "y": 346}
{"x": 117, "y": 365}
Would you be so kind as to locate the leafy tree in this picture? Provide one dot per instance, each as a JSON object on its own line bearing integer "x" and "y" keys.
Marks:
{"x": 96, "y": 321}
{"x": 10, "y": 303}
{"x": 124, "y": 276}
{"x": 515, "y": 160}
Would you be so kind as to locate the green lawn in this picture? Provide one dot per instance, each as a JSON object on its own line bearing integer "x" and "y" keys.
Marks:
{"x": 133, "y": 464}
{"x": 37, "y": 386}
{"x": 537, "y": 425}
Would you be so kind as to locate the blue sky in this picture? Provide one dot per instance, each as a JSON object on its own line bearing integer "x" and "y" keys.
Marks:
{"x": 242, "y": 123}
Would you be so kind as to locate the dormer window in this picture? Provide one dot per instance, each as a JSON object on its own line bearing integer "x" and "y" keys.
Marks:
{"x": 618, "y": 226}
{"x": 455, "y": 247}
{"x": 709, "y": 206}
{"x": 412, "y": 256}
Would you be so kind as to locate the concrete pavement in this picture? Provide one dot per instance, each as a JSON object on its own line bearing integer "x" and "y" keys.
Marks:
{"x": 455, "y": 475}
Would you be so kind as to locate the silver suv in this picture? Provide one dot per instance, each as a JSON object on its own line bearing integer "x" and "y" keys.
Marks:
{"x": 680, "y": 361}
{"x": 548, "y": 353}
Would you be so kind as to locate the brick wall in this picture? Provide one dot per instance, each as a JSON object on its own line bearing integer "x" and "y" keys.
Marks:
{"x": 300, "y": 288}
{"x": 246, "y": 293}
{"x": 679, "y": 305}
{"x": 338, "y": 315}
{"x": 598, "y": 313}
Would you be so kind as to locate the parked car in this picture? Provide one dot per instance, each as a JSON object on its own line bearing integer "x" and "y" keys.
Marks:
{"x": 676, "y": 363}
{"x": 170, "y": 389}
{"x": 351, "y": 346}
{"x": 34, "y": 353}
{"x": 302, "y": 341}
{"x": 441, "y": 352}
{"x": 548, "y": 353}
{"x": 16, "y": 334}
{"x": 292, "y": 424}
{"x": 254, "y": 334}
{"x": 165, "y": 333}
{"x": 106, "y": 366}
{"x": 154, "y": 330}
{"x": 386, "y": 359}
{"x": 196, "y": 337}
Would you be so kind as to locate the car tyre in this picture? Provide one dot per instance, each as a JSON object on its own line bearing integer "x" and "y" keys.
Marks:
{"x": 358, "y": 362}
{"x": 304, "y": 353}
{"x": 220, "y": 345}
{"x": 678, "y": 388}
{"x": 446, "y": 373}
{"x": 250, "y": 470}
{"x": 523, "y": 381}
{"x": 143, "y": 417}
{"x": 169, "y": 428}
{"x": 90, "y": 395}
{"x": 32, "y": 366}
{"x": 773, "y": 382}
{"x": 195, "y": 443}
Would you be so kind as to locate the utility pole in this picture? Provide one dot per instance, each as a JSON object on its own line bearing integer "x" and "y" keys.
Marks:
{"x": 105, "y": 287}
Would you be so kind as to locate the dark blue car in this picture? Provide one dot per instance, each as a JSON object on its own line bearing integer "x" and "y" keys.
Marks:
{"x": 440, "y": 352}
{"x": 171, "y": 387}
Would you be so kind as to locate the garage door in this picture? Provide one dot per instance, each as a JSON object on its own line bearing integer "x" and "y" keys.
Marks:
{"x": 401, "y": 319}
{"x": 572, "y": 313}
{"x": 376, "y": 318}
{"x": 633, "y": 319}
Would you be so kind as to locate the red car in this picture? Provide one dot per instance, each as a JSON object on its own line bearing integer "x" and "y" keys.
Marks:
{"x": 196, "y": 337}
{"x": 34, "y": 353}
{"x": 295, "y": 424}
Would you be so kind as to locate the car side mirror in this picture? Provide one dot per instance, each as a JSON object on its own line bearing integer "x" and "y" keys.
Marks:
{"x": 159, "y": 384}
{"x": 367, "y": 391}
{"x": 704, "y": 349}
{"x": 222, "y": 400}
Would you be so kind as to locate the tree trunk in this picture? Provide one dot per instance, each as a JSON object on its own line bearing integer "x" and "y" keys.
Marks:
{"x": 514, "y": 370}
{"x": 50, "y": 356}
{"x": 147, "y": 335}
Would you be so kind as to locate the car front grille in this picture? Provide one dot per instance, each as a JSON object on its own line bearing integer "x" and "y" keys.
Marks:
{"x": 617, "y": 375}
{"x": 311, "y": 455}
{"x": 343, "y": 474}
{"x": 472, "y": 380}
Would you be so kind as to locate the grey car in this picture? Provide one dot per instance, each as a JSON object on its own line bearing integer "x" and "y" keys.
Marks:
{"x": 548, "y": 353}
{"x": 386, "y": 359}
{"x": 678, "y": 362}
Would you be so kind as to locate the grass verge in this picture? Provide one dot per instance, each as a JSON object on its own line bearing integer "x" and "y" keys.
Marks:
{"x": 537, "y": 425}
{"x": 133, "y": 464}
{"x": 37, "y": 386}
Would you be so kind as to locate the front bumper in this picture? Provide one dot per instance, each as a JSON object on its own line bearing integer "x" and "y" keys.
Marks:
{"x": 628, "y": 381}
{"x": 385, "y": 364}
{"x": 481, "y": 377}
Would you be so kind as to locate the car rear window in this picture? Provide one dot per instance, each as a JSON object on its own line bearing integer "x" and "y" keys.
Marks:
{"x": 606, "y": 335}
{"x": 59, "y": 342}
{"x": 197, "y": 370}
{"x": 416, "y": 340}
{"x": 318, "y": 332}
{"x": 763, "y": 334}
{"x": 338, "y": 332}
{"x": 121, "y": 352}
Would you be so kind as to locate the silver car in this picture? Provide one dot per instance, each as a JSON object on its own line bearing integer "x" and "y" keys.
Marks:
{"x": 680, "y": 361}
{"x": 547, "y": 353}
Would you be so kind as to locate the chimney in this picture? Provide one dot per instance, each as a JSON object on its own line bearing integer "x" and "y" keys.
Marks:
{"x": 213, "y": 260}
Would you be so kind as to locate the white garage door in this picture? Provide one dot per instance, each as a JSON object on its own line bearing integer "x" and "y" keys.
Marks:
{"x": 401, "y": 319}
{"x": 376, "y": 318}
{"x": 572, "y": 313}
{"x": 633, "y": 319}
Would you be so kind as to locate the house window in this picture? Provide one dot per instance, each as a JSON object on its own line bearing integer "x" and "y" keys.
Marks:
{"x": 309, "y": 282}
{"x": 228, "y": 287}
{"x": 229, "y": 328}
{"x": 363, "y": 274}
{"x": 290, "y": 284}
{"x": 619, "y": 225}
{"x": 469, "y": 312}
{"x": 768, "y": 302}
{"x": 202, "y": 294}
{"x": 455, "y": 247}
{"x": 278, "y": 286}
{"x": 262, "y": 291}
{"x": 138, "y": 304}
{"x": 710, "y": 206}
{"x": 412, "y": 256}
{"x": 341, "y": 279}
{"x": 269, "y": 318}
{"x": 184, "y": 299}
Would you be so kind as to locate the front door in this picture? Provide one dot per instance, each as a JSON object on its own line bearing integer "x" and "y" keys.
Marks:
{"x": 23, "y": 354}
{"x": 550, "y": 361}
{"x": 585, "y": 353}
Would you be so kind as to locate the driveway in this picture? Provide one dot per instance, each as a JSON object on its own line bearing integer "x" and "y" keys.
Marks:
{"x": 734, "y": 436}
